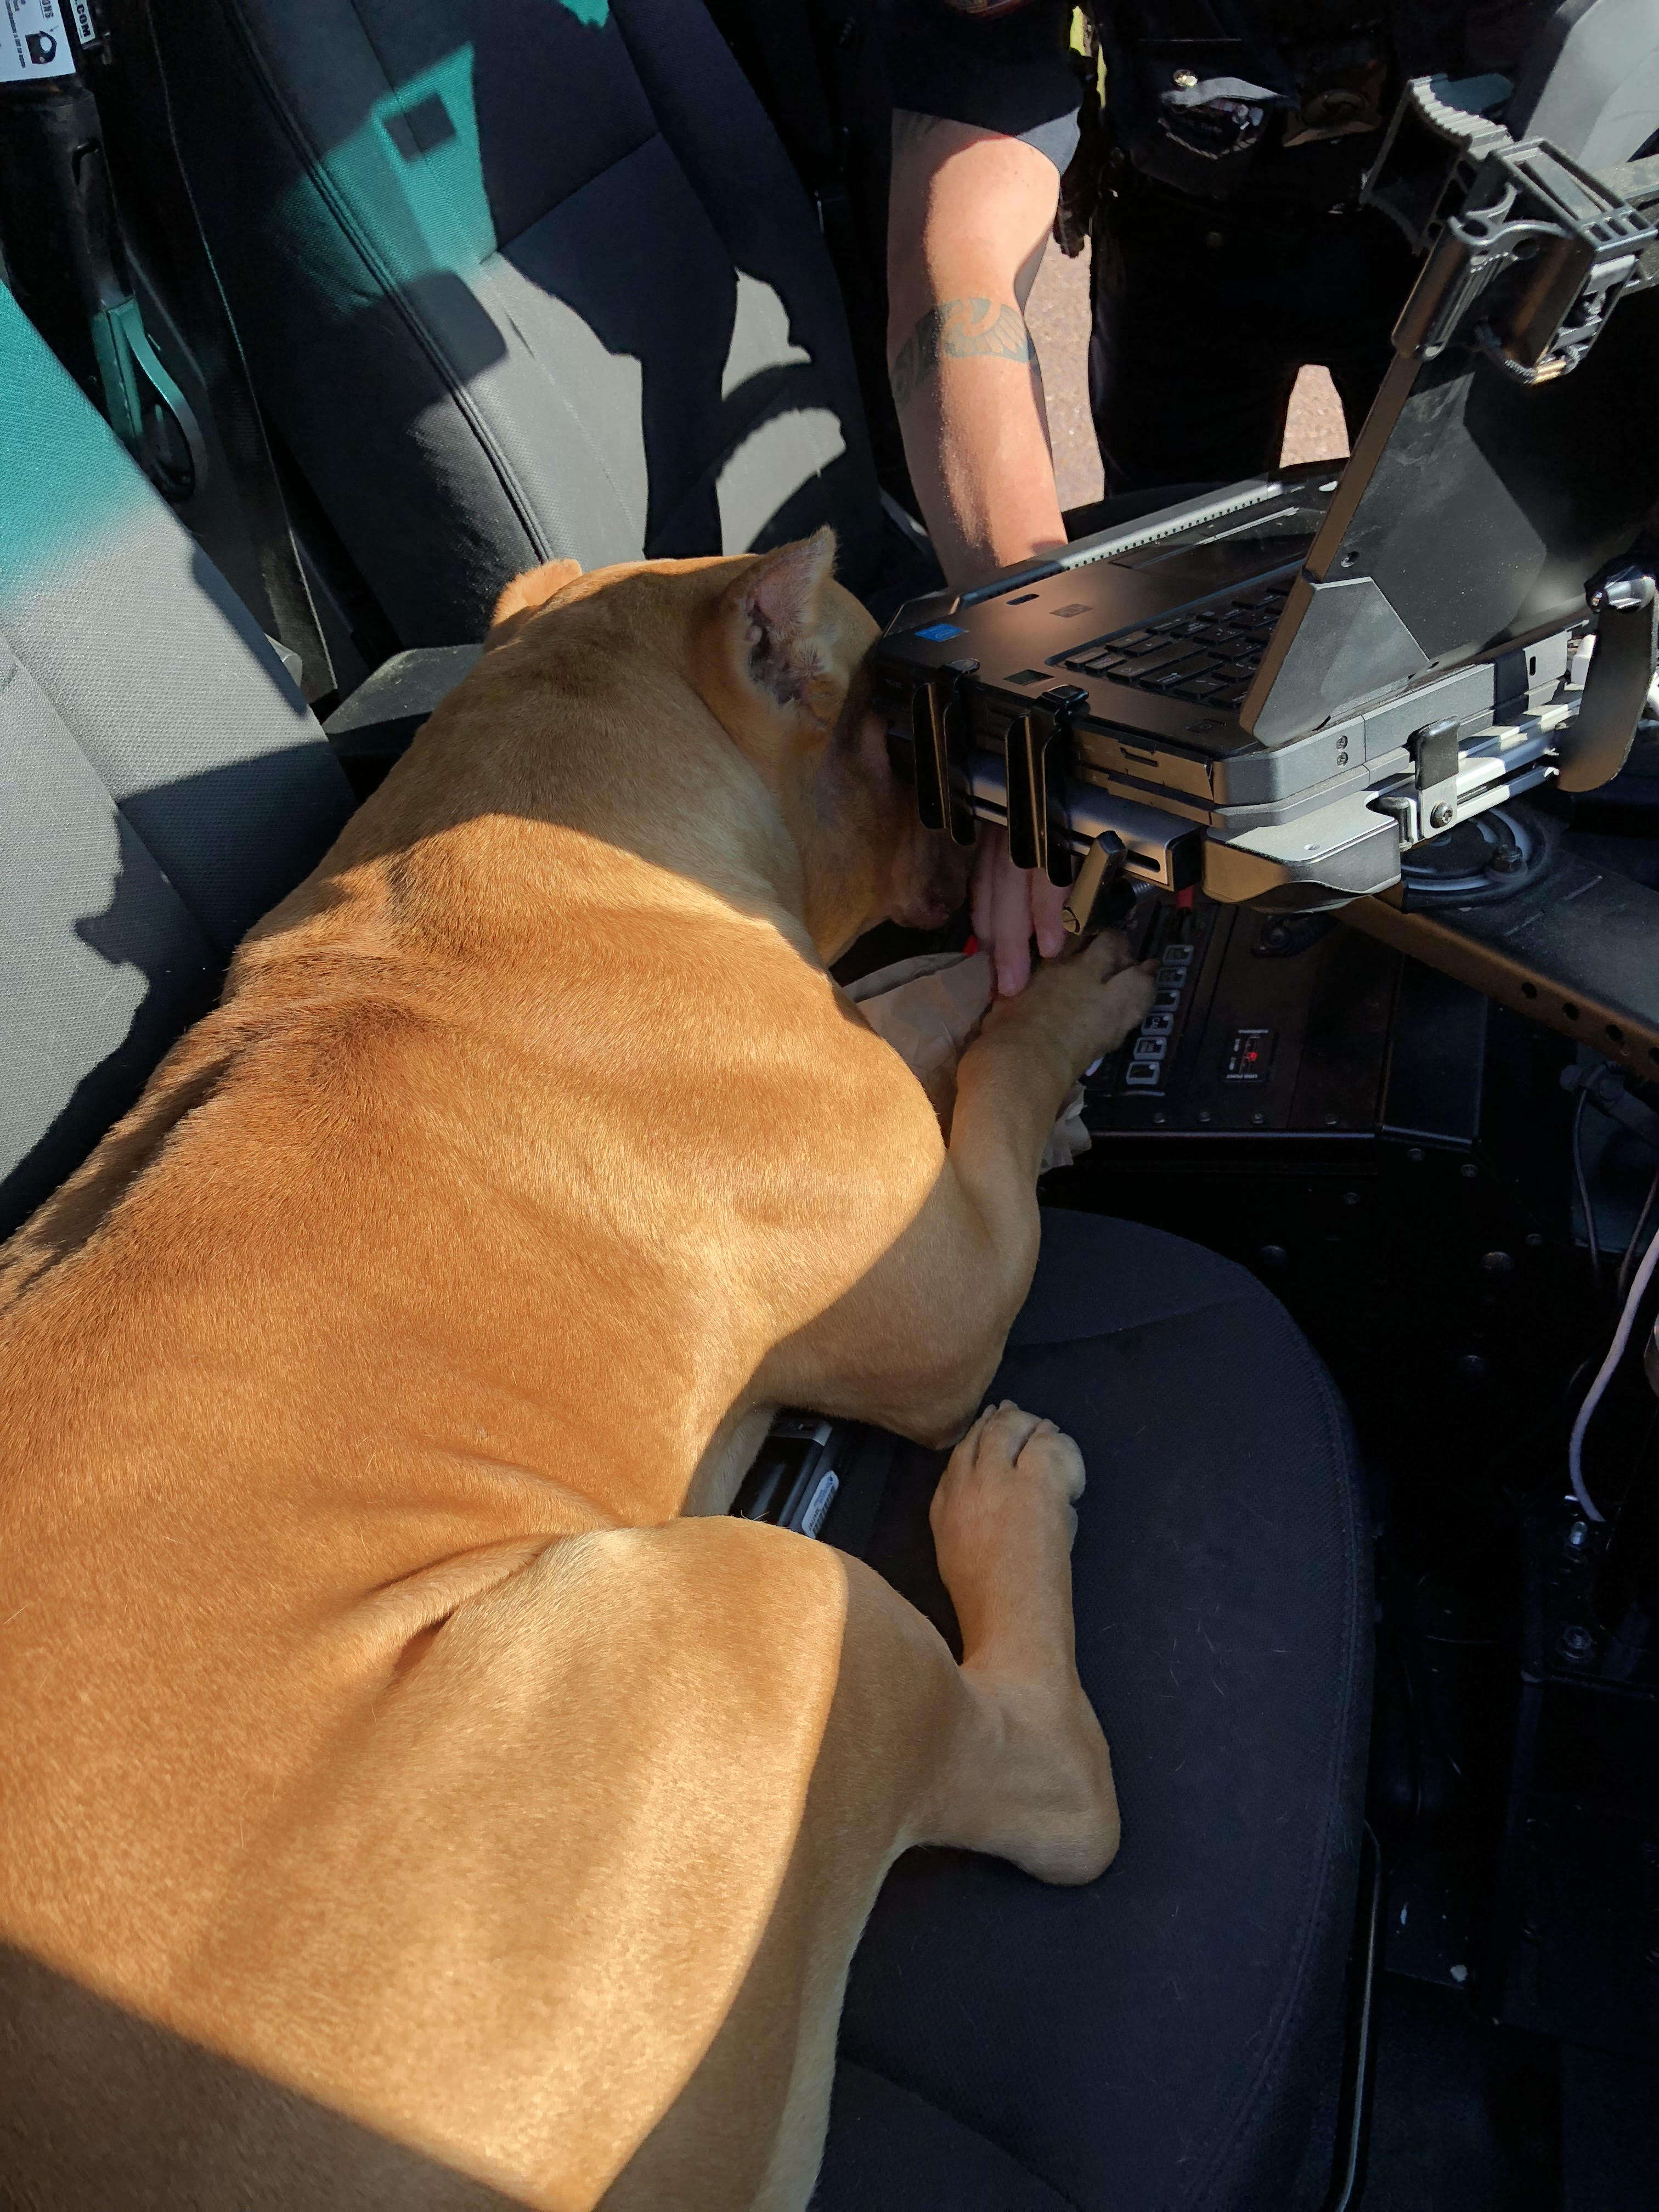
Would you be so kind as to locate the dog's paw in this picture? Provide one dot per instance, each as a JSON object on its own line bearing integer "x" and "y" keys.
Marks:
{"x": 1011, "y": 1477}
{"x": 1089, "y": 1000}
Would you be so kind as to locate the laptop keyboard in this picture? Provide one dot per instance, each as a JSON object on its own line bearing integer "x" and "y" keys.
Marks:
{"x": 1209, "y": 656}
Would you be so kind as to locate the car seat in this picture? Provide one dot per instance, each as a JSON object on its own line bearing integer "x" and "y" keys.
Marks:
{"x": 520, "y": 279}
{"x": 163, "y": 783}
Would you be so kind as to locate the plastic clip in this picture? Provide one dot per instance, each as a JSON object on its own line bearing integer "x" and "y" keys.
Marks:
{"x": 1038, "y": 754}
{"x": 1596, "y": 743}
{"x": 944, "y": 747}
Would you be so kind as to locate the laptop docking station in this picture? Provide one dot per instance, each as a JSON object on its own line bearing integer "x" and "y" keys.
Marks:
{"x": 1276, "y": 691}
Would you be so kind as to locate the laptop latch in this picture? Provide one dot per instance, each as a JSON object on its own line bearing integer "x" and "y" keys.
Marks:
{"x": 1595, "y": 744}
{"x": 1037, "y": 758}
{"x": 1433, "y": 750}
{"x": 1084, "y": 911}
{"x": 1428, "y": 804}
{"x": 943, "y": 749}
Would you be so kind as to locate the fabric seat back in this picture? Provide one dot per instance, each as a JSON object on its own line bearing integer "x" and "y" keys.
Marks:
{"x": 163, "y": 783}
{"x": 520, "y": 279}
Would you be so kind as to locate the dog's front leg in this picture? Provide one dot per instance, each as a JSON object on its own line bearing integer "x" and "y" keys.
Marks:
{"x": 1027, "y": 1775}
{"x": 1001, "y": 1753}
{"x": 914, "y": 1342}
{"x": 1011, "y": 1086}
{"x": 1014, "y": 1078}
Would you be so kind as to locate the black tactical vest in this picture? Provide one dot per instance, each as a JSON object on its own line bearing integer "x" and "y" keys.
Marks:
{"x": 1212, "y": 98}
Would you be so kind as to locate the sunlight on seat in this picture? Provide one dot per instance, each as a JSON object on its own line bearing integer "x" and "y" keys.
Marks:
{"x": 770, "y": 466}
{"x": 760, "y": 336}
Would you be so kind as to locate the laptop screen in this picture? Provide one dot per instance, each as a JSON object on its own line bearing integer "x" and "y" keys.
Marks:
{"x": 1488, "y": 504}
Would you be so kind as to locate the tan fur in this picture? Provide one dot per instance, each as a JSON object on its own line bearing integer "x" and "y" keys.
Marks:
{"x": 379, "y": 1714}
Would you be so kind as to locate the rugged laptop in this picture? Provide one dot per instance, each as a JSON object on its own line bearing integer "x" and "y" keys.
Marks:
{"x": 1278, "y": 688}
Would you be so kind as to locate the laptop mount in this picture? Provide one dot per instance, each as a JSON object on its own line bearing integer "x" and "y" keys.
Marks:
{"x": 1546, "y": 248}
{"x": 1529, "y": 255}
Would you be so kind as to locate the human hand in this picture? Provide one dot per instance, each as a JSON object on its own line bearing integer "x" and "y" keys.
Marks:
{"x": 1010, "y": 905}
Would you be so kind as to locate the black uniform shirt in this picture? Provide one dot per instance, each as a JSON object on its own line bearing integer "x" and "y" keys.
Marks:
{"x": 1011, "y": 72}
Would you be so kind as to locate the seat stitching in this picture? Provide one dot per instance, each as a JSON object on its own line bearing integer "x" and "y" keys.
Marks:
{"x": 1129, "y": 1329}
{"x": 840, "y": 383}
{"x": 117, "y": 806}
{"x": 369, "y": 40}
{"x": 967, "y": 2127}
{"x": 500, "y": 252}
{"x": 503, "y": 252}
{"x": 752, "y": 404}
{"x": 317, "y": 178}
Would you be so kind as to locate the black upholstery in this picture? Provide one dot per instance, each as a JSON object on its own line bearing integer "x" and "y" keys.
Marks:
{"x": 520, "y": 279}
{"x": 1157, "y": 2041}
{"x": 163, "y": 783}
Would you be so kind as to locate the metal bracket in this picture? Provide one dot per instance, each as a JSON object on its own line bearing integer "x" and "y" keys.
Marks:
{"x": 1595, "y": 744}
{"x": 1428, "y": 804}
{"x": 1038, "y": 755}
{"x": 1530, "y": 268}
{"x": 943, "y": 746}
{"x": 1433, "y": 750}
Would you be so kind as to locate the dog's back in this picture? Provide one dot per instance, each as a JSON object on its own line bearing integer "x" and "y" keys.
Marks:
{"x": 364, "y": 1728}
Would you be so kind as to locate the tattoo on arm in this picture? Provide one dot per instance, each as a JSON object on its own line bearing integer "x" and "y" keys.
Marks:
{"x": 955, "y": 330}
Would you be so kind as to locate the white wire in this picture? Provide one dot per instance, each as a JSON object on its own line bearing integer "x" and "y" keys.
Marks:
{"x": 1627, "y": 1265}
{"x": 1604, "y": 1375}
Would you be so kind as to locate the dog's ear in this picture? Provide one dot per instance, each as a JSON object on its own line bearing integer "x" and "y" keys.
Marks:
{"x": 534, "y": 589}
{"x": 774, "y": 623}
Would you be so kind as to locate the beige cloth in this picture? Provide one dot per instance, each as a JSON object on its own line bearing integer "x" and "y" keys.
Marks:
{"x": 927, "y": 1009}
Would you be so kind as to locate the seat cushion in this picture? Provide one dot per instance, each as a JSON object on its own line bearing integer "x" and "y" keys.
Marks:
{"x": 1154, "y": 2042}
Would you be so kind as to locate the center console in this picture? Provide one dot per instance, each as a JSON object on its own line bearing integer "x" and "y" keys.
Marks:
{"x": 1272, "y": 1031}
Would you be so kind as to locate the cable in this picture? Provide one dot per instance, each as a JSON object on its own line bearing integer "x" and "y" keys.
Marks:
{"x": 1627, "y": 1265}
{"x": 1587, "y": 1209}
{"x": 1604, "y": 1375}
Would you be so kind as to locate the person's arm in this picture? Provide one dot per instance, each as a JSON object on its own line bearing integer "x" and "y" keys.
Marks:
{"x": 970, "y": 216}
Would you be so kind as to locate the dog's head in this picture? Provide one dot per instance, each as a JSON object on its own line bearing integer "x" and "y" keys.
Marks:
{"x": 777, "y": 650}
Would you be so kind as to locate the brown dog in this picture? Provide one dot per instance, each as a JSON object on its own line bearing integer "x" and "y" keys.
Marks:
{"x": 391, "y": 1706}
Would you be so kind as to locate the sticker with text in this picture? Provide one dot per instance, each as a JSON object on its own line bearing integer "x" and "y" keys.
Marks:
{"x": 33, "y": 42}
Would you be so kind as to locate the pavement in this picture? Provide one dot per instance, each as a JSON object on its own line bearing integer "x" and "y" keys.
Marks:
{"x": 1057, "y": 315}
